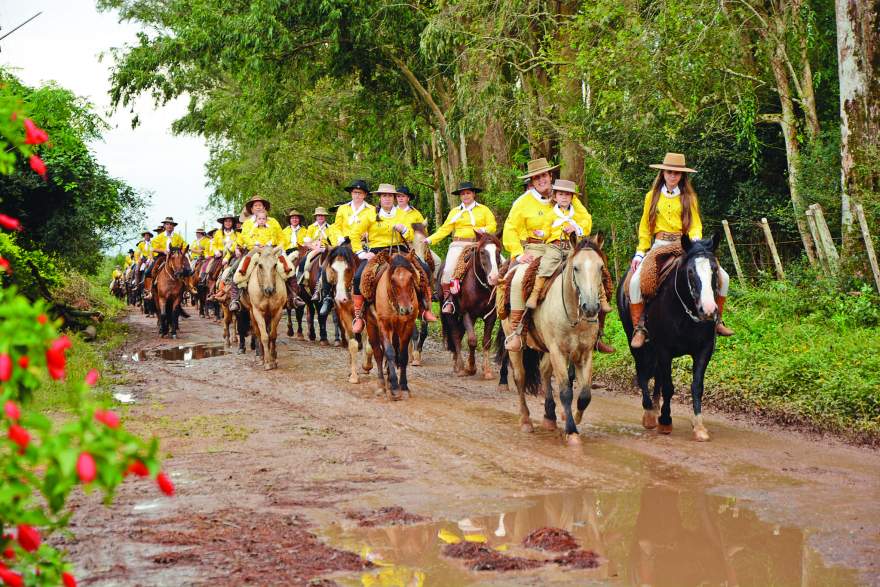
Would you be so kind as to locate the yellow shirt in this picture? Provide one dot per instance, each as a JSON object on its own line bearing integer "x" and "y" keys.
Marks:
{"x": 199, "y": 247}
{"x": 351, "y": 225}
{"x": 162, "y": 243}
{"x": 381, "y": 231}
{"x": 577, "y": 216}
{"x": 412, "y": 216}
{"x": 325, "y": 233}
{"x": 462, "y": 224}
{"x": 531, "y": 216}
{"x": 288, "y": 240}
{"x": 143, "y": 249}
{"x": 224, "y": 242}
{"x": 668, "y": 220}
{"x": 117, "y": 274}
{"x": 262, "y": 235}
{"x": 128, "y": 261}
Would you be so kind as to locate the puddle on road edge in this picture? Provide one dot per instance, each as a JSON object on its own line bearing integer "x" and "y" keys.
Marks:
{"x": 656, "y": 535}
{"x": 185, "y": 353}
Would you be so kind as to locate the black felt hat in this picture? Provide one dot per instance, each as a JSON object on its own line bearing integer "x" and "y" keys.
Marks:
{"x": 466, "y": 185}
{"x": 358, "y": 184}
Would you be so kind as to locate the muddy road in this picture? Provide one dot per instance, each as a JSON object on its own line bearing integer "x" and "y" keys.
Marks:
{"x": 296, "y": 477}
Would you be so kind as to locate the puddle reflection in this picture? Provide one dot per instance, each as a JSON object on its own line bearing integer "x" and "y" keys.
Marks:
{"x": 186, "y": 353}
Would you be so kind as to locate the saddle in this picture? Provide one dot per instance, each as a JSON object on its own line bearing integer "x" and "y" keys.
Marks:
{"x": 380, "y": 263}
{"x": 656, "y": 267}
{"x": 502, "y": 301}
{"x": 464, "y": 261}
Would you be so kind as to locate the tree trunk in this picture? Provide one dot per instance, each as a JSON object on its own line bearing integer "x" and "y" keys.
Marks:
{"x": 808, "y": 94}
{"x": 858, "y": 63}
{"x": 437, "y": 167}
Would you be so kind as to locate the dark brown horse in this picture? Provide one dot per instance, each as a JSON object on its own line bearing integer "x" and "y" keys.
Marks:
{"x": 306, "y": 291}
{"x": 391, "y": 321}
{"x": 341, "y": 265}
{"x": 168, "y": 285}
{"x": 474, "y": 301}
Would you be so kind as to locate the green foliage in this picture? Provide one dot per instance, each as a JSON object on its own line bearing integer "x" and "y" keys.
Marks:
{"x": 25, "y": 263}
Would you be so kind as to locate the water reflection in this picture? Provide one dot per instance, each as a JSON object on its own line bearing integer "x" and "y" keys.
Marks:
{"x": 184, "y": 353}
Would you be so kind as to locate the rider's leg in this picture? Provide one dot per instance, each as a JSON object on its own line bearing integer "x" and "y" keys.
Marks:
{"x": 637, "y": 307}
{"x": 517, "y": 309}
{"x": 553, "y": 257}
{"x": 358, "y": 323}
{"x": 723, "y": 286}
{"x": 455, "y": 250}
{"x": 605, "y": 308}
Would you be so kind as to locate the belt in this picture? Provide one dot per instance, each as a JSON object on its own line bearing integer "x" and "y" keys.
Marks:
{"x": 462, "y": 239}
{"x": 534, "y": 241}
{"x": 562, "y": 243}
{"x": 668, "y": 236}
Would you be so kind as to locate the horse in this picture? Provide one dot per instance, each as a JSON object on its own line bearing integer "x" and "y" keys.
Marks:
{"x": 432, "y": 263}
{"x": 565, "y": 328}
{"x": 341, "y": 265}
{"x": 198, "y": 291}
{"x": 168, "y": 286}
{"x": 210, "y": 284}
{"x": 474, "y": 301}
{"x": 306, "y": 291}
{"x": 293, "y": 291}
{"x": 681, "y": 321}
{"x": 265, "y": 297}
{"x": 391, "y": 321}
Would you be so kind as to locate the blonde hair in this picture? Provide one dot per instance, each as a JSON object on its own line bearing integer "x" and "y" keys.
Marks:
{"x": 688, "y": 201}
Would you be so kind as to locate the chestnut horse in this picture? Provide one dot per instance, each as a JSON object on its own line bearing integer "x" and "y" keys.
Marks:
{"x": 391, "y": 321}
{"x": 341, "y": 265}
{"x": 168, "y": 285}
{"x": 265, "y": 297}
{"x": 474, "y": 301}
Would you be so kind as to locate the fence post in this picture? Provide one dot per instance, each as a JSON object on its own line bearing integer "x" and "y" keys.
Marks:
{"x": 827, "y": 240}
{"x": 820, "y": 249}
{"x": 869, "y": 244}
{"x": 772, "y": 244}
{"x": 739, "y": 271}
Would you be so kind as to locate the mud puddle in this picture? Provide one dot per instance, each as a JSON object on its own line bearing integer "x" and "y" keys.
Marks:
{"x": 658, "y": 534}
{"x": 185, "y": 353}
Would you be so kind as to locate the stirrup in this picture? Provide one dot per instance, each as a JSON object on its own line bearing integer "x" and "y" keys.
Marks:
{"x": 509, "y": 338}
{"x": 450, "y": 303}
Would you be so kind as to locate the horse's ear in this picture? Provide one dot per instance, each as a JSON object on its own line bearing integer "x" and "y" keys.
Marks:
{"x": 686, "y": 242}
{"x": 600, "y": 240}
{"x": 716, "y": 240}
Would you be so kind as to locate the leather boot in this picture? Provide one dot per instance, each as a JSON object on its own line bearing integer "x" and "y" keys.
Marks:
{"x": 532, "y": 302}
{"x": 327, "y": 293}
{"x": 601, "y": 346}
{"x": 514, "y": 341}
{"x": 319, "y": 287}
{"x": 357, "y": 324}
{"x": 640, "y": 334}
{"x": 233, "y": 298}
{"x": 244, "y": 265}
{"x": 448, "y": 305}
{"x": 720, "y": 328}
{"x": 427, "y": 314}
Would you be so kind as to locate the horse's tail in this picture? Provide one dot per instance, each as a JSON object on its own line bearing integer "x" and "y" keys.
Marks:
{"x": 448, "y": 329}
{"x": 500, "y": 351}
{"x": 532, "y": 368}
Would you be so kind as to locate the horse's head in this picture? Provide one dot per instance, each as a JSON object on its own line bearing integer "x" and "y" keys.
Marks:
{"x": 176, "y": 262}
{"x": 402, "y": 285}
{"x": 340, "y": 269}
{"x": 585, "y": 267}
{"x": 265, "y": 262}
{"x": 489, "y": 257}
{"x": 701, "y": 267}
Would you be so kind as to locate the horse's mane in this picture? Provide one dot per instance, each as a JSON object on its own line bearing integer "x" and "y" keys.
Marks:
{"x": 401, "y": 261}
{"x": 420, "y": 227}
{"x": 589, "y": 243}
{"x": 345, "y": 251}
{"x": 488, "y": 236}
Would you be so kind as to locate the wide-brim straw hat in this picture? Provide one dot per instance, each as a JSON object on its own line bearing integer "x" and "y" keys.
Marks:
{"x": 673, "y": 162}
{"x": 145, "y": 231}
{"x": 537, "y": 167}
{"x": 466, "y": 185}
{"x": 358, "y": 184}
{"x": 250, "y": 204}
{"x": 169, "y": 220}
{"x": 295, "y": 212}
{"x": 564, "y": 185}
{"x": 385, "y": 188}
{"x": 223, "y": 218}
{"x": 160, "y": 228}
{"x": 321, "y": 211}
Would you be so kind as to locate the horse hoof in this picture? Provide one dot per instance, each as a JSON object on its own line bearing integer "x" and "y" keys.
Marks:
{"x": 240, "y": 351}
{"x": 416, "y": 363}
{"x": 354, "y": 379}
{"x": 337, "y": 343}
{"x": 664, "y": 428}
{"x": 701, "y": 434}
{"x": 300, "y": 336}
{"x": 470, "y": 372}
{"x": 324, "y": 343}
{"x": 548, "y": 424}
{"x": 503, "y": 388}
{"x": 573, "y": 439}
{"x": 527, "y": 427}
{"x": 488, "y": 376}
{"x": 649, "y": 420}
{"x": 290, "y": 332}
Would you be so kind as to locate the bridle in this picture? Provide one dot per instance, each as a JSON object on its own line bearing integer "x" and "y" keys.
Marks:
{"x": 687, "y": 310}
{"x": 569, "y": 270}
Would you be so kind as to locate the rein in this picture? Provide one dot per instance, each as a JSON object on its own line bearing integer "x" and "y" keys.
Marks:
{"x": 681, "y": 301}
{"x": 475, "y": 260}
{"x": 577, "y": 290}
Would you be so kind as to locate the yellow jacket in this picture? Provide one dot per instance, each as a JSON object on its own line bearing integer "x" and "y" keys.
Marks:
{"x": 531, "y": 216}
{"x": 224, "y": 242}
{"x": 128, "y": 261}
{"x": 463, "y": 225}
{"x": 325, "y": 234}
{"x": 381, "y": 231}
{"x": 262, "y": 235}
{"x": 117, "y": 274}
{"x": 199, "y": 247}
{"x": 143, "y": 249}
{"x": 412, "y": 216}
{"x": 162, "y": 243}
{"x": 288, "y": 242}
{"x": 668, "y": 220}
{"x": 575, "y": 215}
{"x": 347, "y": 224}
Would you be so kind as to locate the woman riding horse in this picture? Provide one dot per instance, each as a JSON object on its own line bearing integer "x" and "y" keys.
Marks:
{"x": 670, "y": 210}
{"x": 161, "y": 247}
{"x": 270, "y": 229}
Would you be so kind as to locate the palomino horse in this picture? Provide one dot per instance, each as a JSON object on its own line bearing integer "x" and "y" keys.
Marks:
{"x": 474, "y": 301}
{"x": 565, "y": 327}
{"x": 391, "y": 321}
{"x": 432, "y": 263}
{"x": 342, "y": 263}
{"x": 168, "y": 285}
{"x": 681, "y": 321}
{"x": 266, "y": 294}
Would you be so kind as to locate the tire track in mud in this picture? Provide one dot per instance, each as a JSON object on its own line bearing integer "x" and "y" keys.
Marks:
{"x": 300, "y": 445}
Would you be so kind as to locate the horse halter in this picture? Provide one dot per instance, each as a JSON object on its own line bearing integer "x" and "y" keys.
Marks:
{"x": 577, "y": 290}
{"x": 687, "y": 310}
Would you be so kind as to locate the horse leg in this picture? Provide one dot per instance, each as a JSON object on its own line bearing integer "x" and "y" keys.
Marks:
{"x": 701, "y": 361}
{"x": 390, "y": 363}
{"x": 273, "y": 337}
{"x": 585, "y": 380}
{"x": 519, "y": 379}
{"x": 289, "y": 323}
{"x": 402, "y": 360}
{"x": 241, "y": 327}
{"x": 502, "y": 374}
{"x": 650, "y": 405}
{"x": 368, "y": 356}
{"x": 549, "y": 422}
{"x": 299, "y": 326}
{"x": 310, "y": 319}
{"x": 664, "y": 373}
{"x": 471, "y": 368}
{"x": 488, "y": 327}
{"x": 322, "y": 330}
{"x": 353, "y": 359}
{"x": 566, "y": 393}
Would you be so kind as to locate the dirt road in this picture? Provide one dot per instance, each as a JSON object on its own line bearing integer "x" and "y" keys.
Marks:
{"x": 282, "y": 475}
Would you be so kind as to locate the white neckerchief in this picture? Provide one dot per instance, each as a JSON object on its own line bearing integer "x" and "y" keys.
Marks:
{"x": 672, "y": 194}
{"x": 462, "y": 209}
{"x": 321, "y": 227}
{"x": 148, "y": 245}
{"x": 534, "y": 193}
{"x": 293, "y": 232}
{"x": 563, "y": 218}
{"x": 407, "y": 209}
{"x": 354, "y": 213}
{"x": 168, "y": 240}
{"x": 228, "y": 237}
{"x": 390, "y": 214}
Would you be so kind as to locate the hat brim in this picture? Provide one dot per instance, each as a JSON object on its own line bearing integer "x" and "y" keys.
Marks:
{"x": 565, "y": 191}
{"x": 222, "y": 219}
{"x": 351, "y": 188}
{"x": 302, "y": 216}
{"x": 539, "y": 171}
{"x": 475, "y": 190}
{"x": 672, "y": 167}
{"x": 172, "y": 223}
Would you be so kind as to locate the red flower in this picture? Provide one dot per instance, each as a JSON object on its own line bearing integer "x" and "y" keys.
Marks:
{"x": 28, "y": 537}
{"x": 38, "y": 166}
{"x": 19, "y": 436}
{"x": 24, "y": 361}
{"x": 92, "y": 377}
{"x": 9, "y": 223}
{"x": 10, "y": 578}
{"x": 138, "y": 468}
{"x": 108, "y": 417}
{"x": 4, "y": 266}
{"x": 33, "y": 134}
{"x": 42, "y": 319}
{"x": 85, "y": 468}
{"x": 165, "y": 484}
{"x": 55, "y": 359}
{"x": 5, "y": 367}
{"x": 12, "y": 411}
{"x": 9, "y": 552}
{"x": 68, "y": 580}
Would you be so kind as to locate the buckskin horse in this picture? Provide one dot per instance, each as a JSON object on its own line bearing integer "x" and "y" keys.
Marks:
{"x": 680, "y": 320}
{"x": 565, "y": 328}
{"x": 474, "y": 301}
{"x": 342, "y": 263}
{"x": 266, "y": 295}
{"x": 391, "y": 321}
{"x": 168, "y": 284}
